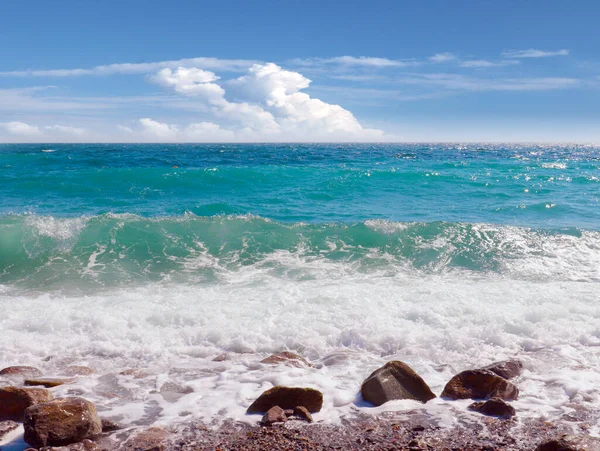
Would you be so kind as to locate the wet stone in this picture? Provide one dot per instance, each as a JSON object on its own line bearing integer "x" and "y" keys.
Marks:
{"x": 14, "y": 401}
{"x": 48, "y": 382}
{"x": 508, "y": 369}
{"x": 274, "y": 415}
{"x": 395, "y": 380}
{"x": 480, "y": 384}
{"x": 61, "y": 422}
{"x": 494, "y": 407}
{"x": 288, "y": 398}
{"x": 302, "y": 413}
{"x": 288, "y": 358}
{"x": 20, "y": 371}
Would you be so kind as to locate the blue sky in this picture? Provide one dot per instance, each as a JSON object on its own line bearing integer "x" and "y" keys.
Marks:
{"x": 181, "y": 70}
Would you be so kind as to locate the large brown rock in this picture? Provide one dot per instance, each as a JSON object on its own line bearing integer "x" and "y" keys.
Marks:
{"x": 20, "y": 371}
{"x": 480, "y": 384}
{"x": 61, "y": 422}
{"x": 288, "y": 358}
{"x": 570, "y": 443}
{"x": 395, "y": 380}
{"x": 494, "y": 407}
{"x": 14, "y": 401}
{"x": 288, "y": 398}
{"x": 508, "y": 369}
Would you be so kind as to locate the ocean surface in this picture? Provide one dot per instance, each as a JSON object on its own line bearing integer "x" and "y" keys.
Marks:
{"x": 162, "y": 257}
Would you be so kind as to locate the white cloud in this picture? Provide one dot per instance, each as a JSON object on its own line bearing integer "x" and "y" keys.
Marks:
{"x": 366, "y": 61}
{"x": 271, "y": 103}
{"x": 442, "y": 57}
{"x": 125, "y": 129}
{"x": 65, "y": 129}
{"x": 158, "y": 129}
{"x": 463, "y": 83}
{"x": 486, "y": 63}
{"x": 21, "y": 128}
{"x": 46, "y": 132}
{"x": 534, "y": 53}
{"x": 137, "y": 68}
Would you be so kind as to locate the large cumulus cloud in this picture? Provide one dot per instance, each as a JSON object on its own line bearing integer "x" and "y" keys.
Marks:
{"x": 267, "y": 102}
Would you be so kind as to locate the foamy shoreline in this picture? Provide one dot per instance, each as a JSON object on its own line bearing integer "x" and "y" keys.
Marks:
{"x": 439, "y": 424}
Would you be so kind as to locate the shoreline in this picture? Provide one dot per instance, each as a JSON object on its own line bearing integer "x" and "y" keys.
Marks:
{"x": 444, "y": 423}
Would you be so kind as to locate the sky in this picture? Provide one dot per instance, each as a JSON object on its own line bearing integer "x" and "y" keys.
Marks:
{"x": 272, "y": 71}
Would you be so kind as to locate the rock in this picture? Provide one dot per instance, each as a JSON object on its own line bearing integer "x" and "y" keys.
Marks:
{"x": 508, "y": 369}
{"x": 171, "y": 391}
{"x": 302, "y": 413}
{"x": 274, "y": 415}
{"x": 395, "y": 380}
{"x": 480, "y": 384}
{"x": 109, "y": 425}
{"x": 48, "y": 382}
{"x": 76, "y": 370}
{"x": 135, "y": 372}
{"x": 288, "y": 398}
{"x": 570, "y": 443}
{"x": 7, "y": 427}
{"x": 494, "y": 407}
{"x": 20, "y": 371}
{"x": 151, "y": 439}
{"x": 14, "y": 401}
{"x": 288, "y": 358}
{"x": 221, "y": 357}
{"x": 61, "y": 422}
{"x": 288, "y": 412}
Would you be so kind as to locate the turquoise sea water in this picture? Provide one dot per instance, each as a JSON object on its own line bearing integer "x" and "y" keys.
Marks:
{"x": 162, "y": 257}
{"x": 107, "y": 214}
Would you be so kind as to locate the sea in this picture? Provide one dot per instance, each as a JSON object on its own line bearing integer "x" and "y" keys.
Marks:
{"x": 159, "y": 258}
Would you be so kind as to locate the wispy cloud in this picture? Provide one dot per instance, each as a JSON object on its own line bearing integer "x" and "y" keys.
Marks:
{"x": 366, "y": 61}
{"x": 487, "y": 63}
{"x": 443, "y": 57}
{"x": 458, "y": 82}
{"x": 535, "y": 53}
{"x": 234, "y": 65}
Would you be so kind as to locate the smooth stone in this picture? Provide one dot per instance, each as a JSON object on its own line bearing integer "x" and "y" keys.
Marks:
{"x": 22, "y": 371}
{"x": 77, "y": 370}
{"x": 288, "y": 358}
{"x": 61, "y": 422}
{"x": 287, "y": 398}
{"x": 302, "y": 413}
{"x": 494, "y": 407}
{"x": 14, "y": 401}
{"x": 135, "y": 372}
{"x": 508, "y": 369}
{"x": 480, "y": 384}
{"x": 570, "y": 443}
{"x": 221, "y": 357}
{"x": 48, "y": 382}
{"x": 395, "y": 380}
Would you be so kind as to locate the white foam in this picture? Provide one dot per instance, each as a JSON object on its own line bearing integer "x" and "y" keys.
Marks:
{"x": 346, "y": 322}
